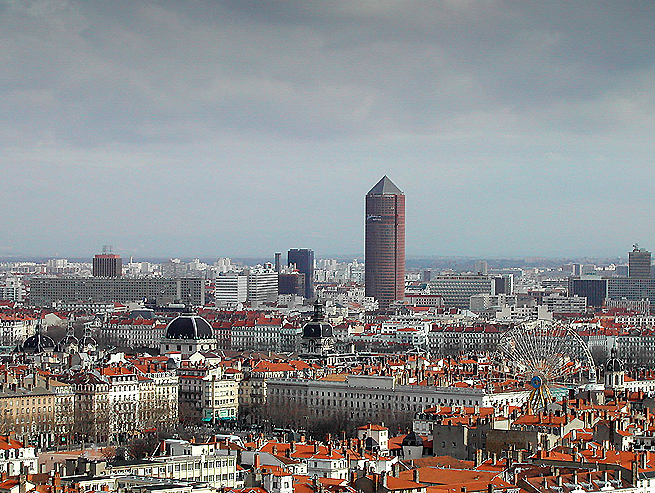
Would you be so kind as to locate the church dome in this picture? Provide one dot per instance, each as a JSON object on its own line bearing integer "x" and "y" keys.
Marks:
{"x": 317, "y": 328}
{"x": 614, "y": 365}
{"x": 189, "y": 327}
{"x": 38, "y": 342}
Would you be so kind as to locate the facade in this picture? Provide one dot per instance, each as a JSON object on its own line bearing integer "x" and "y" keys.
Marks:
{"x": 230, "y": 289}
{"x": 293, "y": 283}
{"x": 262, "y": 287}
{"x": 107, "y": 265}
{"x": 46, "y": 291}
{"x": 566, "y": 304}
{"x": 456, "y": 291}
{"x": 16, "y": 456}
{"x": 220, "y": 399}
{"x": 11, "y": 288}
{"x": 594, "y": 288}
{"x": 385, "y": 243}
{"x": 303, "y": 259}
{"x": 639, "y": 263}
{"x": 133, "y": 332}
{"x": 631, "y": 288}
{"x": 30, "y": 413}
{"x": 377, "y": 397}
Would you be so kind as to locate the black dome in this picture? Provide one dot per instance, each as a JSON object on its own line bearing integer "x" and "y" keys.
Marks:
{"x": 189, "y": 327}
{"x": 38, "y": 342}
{"x": 614, "y": 364}
{"x": 316, "y": 330}
{"x": 412, "y": 440}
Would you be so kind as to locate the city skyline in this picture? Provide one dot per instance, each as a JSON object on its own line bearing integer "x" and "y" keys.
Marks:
{"x": 515, "y": 130}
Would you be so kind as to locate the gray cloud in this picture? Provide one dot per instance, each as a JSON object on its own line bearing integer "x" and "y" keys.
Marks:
{"x": 255, "y": 126}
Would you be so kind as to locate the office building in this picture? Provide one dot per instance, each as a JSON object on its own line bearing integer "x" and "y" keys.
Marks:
{"x": 44, "y": 291}
{"x": 230, "y": 289}
{"x": 639, "y": 263}
{"x": 457, "y": 290}
{"x": 292, "y": 284}
{"x": 262, "y": 286}
{"x": 107, "y": 265}
{"x": 385, "y": 243}
{"x": 303, "y": 259}
{"x": 593, "y": 288}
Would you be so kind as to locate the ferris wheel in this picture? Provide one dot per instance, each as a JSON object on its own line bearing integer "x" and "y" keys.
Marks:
{"x": 549, "y": 356}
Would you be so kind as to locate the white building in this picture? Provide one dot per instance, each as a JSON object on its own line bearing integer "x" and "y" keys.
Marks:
{"x": 457, "y": 290}
{"x": 11, "y": 288}
{"x": 369, "y": 397}
{"x": 262, "y": 286}
{"x": 566, "y": 304}
{"x": 230, "y": 290}
{"x": 14, "y": 455}
{"x": 220, "y": 399}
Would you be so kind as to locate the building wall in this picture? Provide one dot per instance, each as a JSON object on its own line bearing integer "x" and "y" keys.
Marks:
{"x": 48, "y": 290}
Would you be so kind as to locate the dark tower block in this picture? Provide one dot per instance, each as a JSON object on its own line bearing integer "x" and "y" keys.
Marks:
{"x": 385, "y": 243}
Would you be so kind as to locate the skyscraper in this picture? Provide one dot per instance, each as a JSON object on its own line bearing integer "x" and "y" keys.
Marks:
{"x": 639, "y": 263}
{"x": 303, "y": 259}
{"x": 385, "y": 243}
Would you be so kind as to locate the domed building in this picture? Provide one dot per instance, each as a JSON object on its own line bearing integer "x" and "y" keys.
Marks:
{"x": 38, "y": 343}
{"x": 188, "y": 334}
{"x": 317, "y": 338}
{"x": 614, "y": 373}
{"x": 412, "y": 446}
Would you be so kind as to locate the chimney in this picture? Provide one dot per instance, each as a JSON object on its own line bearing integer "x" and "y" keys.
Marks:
{"x": 255, "y": 465}
{"x": 416, "y": 475}
{"x": 635, "y": 473}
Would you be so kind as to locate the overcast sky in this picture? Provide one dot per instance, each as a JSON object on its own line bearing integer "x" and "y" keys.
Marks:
{"x": 240, "y": 128}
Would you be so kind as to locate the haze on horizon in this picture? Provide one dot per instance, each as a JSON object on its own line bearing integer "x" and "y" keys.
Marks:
{"x": 240, "y": 128}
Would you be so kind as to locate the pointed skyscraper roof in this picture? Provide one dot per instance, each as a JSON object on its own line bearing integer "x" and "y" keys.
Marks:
{"x": 385, "y": 187}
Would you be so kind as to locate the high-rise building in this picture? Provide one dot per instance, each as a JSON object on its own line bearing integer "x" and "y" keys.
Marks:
{"x": 639, "y": 263}
{"x": 107, "y": 265}
{"x": 262, "y": 286}
{"x": 230, "y": 289}
{"x": 303, "y": 259}
{"x": 385, "y": 243}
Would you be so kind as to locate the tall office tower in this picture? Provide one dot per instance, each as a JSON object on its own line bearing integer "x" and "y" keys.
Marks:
{"x": 385, "y": 243}
{"x": 303, "y": 259}
{"x": 107, "y": 265}
{"x": 639, "y": 263}
{"x": 278, "y": 262}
